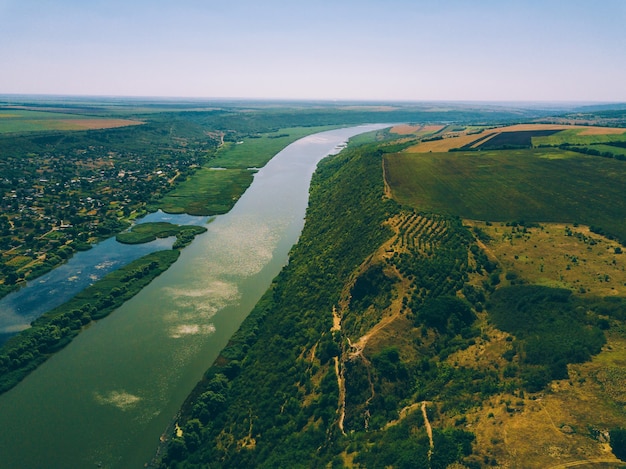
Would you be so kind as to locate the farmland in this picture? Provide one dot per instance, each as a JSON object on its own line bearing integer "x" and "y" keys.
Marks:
{"x": 18, "y": 120}
{"x": 478, "y": 138}
{"x": 532, "y": 185}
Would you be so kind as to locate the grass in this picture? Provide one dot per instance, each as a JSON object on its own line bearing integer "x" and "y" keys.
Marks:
{"x": 533, "y": 185}
{"x": 608, "y": 148}
{"x": 556, "y": 426}
{"x": 17, "y": 121}
{"x": 215, "y": 188}
{"x": 207, "y": 192}
{"x": 558, "y": 255}
{"x": 255, "y": 152}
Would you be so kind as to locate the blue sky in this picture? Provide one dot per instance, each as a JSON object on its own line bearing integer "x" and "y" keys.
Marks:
{"x": 548, "y": 50}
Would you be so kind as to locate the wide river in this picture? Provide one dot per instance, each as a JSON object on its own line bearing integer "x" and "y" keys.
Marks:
{"x": 105, "y": 399}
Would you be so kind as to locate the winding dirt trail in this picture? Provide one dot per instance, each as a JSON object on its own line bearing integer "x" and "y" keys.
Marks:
{"x": 586, "y": 462}
{"x": 429, "y": 430}
{"x": 341, "y": 381}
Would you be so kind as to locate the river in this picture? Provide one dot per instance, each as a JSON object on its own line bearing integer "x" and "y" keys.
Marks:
{"x": 105, "y": 399}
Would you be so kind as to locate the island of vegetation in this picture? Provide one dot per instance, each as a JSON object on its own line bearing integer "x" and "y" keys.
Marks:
{"x": 146, "y": 232}
{"x": 435, "y": 302}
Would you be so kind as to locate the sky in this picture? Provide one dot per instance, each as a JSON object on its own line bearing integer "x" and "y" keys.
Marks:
{"x": 383, "y": 50}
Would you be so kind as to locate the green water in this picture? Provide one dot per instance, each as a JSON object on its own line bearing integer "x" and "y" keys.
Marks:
{"x": 105, "y": 400}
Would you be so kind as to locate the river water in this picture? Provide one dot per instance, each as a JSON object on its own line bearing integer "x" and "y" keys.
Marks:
{"x": 105, "y": 399}
{"x": 19, "y": 308}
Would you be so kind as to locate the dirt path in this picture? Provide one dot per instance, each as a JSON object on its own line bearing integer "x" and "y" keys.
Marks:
{"x": 387, "y": 188}
{"x": 586, "y": 462}
{"x": 357, "y": 347}
{"x": 341, "y": 382}
{"x": 404, "y": 412}
{"x": 429, "y": 430}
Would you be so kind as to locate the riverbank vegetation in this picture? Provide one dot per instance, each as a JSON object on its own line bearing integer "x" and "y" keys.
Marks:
{"x": 401, "y": 335}
{"x": 146, "y": 232}
{"x": 63, "y": 189}
{"x": 51, "y": 332}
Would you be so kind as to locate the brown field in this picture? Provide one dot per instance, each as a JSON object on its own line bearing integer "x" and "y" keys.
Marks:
{"x": 585, "y": 130}
{"x": 444, "y": 145}
{"x": 405, "y": 129}
{"x": 527, "y": 127}
{"x": 456, "y": 140}
{"x": 602, "y": 131}
{"x": 92, "y": 124}
{"x": 416, "y": 129}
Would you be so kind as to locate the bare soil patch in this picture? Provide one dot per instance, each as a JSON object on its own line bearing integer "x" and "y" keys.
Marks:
{"x": 405, "y": 129}
{"x": 603, "y": 131}
{"x": 93, "y": 124}
{"x": 444, "y": 144}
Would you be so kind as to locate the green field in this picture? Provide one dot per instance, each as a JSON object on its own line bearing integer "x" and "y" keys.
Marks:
{"x": 207, "y": 192}
{"x": 573, "y": 137}
{"x": 256, "y": 151}
{"x": 530, "y": 185}
{"x": 215, "y": 188}
{"x": 615, "y": 151}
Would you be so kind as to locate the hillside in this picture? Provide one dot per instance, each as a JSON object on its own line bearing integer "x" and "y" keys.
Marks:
{"x": 399, "y": 337}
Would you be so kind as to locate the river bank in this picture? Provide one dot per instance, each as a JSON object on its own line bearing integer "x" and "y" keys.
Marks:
{"x": 134, "y": 370}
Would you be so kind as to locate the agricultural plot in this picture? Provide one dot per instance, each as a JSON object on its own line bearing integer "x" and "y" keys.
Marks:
{"x": 514, "y": 136}
{"x": 17, "y": 121}
{"x": 582, "y": 136}
{"x": 517, "y": 139}
{"x": 256, "y": 151}
{"x": 531, "y": 185}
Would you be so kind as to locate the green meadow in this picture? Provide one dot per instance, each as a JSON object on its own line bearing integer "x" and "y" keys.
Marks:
{"x": 217, "y": 186}
{"x": 513, "y": 185}
{"x": 255, "y": 151}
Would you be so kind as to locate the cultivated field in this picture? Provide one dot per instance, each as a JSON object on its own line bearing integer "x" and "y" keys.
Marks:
{"x": 17, "y": 120}
{"x": 519, "y": 135}
{"x": 416, "y": 129}
{"x": 539, "y": 185}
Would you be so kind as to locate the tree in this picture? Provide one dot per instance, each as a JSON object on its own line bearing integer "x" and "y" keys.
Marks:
{"x": 618, "y": 442}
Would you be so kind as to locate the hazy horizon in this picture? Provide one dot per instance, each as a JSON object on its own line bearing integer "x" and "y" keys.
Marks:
{"x": 550, "y": 51}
